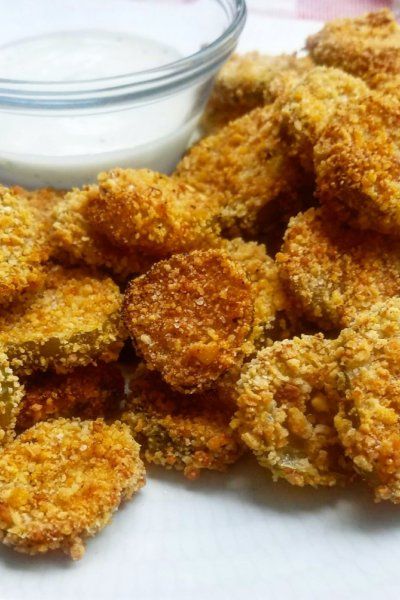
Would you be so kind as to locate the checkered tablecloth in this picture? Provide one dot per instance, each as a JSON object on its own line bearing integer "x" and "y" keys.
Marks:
{"x": 320, "y": 10}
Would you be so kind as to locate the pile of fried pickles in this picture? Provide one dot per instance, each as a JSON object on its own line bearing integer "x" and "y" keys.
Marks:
{"x": 249, "y": 302}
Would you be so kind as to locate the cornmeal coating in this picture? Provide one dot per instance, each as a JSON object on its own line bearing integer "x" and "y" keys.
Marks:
{"x": 190, "y": 316}
{"x": 356, "y": 163}
{"x": 309, "y": 106}
{"x": 86, "y": 392}
{"x": 286, "y": 408}
{"x": 11, "y": 393}
{"x": 61, "y": 481}
{"x": 151, "y": 213}
{"x": 77, "y": 242}
{"x": 369, "y": 381}
{"x": 176, "y": 431}
{"x": 244, "y": 169}
{"x": 74, "y": 320}
{"x": 363, "y": 46}
{"x": 22, "y": 246}
{"x": 332, "y": 272}
{"x": 248, "y": 81}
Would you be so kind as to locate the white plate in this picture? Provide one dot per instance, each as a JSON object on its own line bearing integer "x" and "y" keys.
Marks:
{"x": 228, "y": 537}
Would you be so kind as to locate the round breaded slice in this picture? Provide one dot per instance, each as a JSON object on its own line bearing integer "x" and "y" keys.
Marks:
{"x": 368, "y": 422}
{"x": 61, "y": 481}
{"x": 286, "y": 406}
{"x": 189, "y": 317}
{"x": 332, "y": 272}
{"x": 177, "y": 431}
{"x": 74, "y": 320}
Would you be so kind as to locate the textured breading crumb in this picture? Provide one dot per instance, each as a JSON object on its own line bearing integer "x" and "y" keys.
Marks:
{"x": 61, "y": 481}
{"x": 244, "y": 169}
{"x": 356, "y": 163}
{"x": 369, "y": 374}
{"x": 176, "y": 431}
{"x": 248, "y": 81}
{"x": 86, "y": 392}
{"x": 151, "y": 213}
{"x": 363, "y": 46}
{"x": 189, "y": 317}
{"x": 286, "y": 409}
{"x": 11, "y": 394}
{"x": 76, "y": 241}
{"x": 74, "y": 320}
{"x": 332, "y": 272}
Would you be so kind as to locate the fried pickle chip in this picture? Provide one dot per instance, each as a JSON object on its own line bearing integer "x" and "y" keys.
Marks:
{"x": 189, "y": 317}
{"x": 74, "y": 320}
{"x": 76, "y": 241}
{"x": 177, "y": 431}
{"x": 86, "y": 392}
{"x": 332, "y": 272}
{"x": 151, "y": 213}
{"x": 248, "y": 81}
{"x": 61, "y": 481}
{"x": 363, "y": 46}
{"x": 309, "y": 106}
{"x": 286, "y": 410}
{"x": 356, "y": 163}
{"x": 244, "y": 169}
{"x": 368, "y": 422}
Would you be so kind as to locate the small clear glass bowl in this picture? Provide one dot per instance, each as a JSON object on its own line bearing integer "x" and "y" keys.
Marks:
{"x": 70, "y": 108}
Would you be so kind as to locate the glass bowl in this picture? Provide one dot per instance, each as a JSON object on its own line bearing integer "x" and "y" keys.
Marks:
{"x": 87, "y": 85}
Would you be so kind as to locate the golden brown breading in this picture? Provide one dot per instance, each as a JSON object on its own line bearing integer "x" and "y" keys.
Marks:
{"x": 248, "y": 81}
{"x": 332, "y": 272}
{"x": 151, "y": 213}
{"x": 43, "y": 199}
{"x": 86, "y": 392}
{"x": 176, "y": 431}
{"x": 363, "y": 46}
{"x": 76, "y": 241}
{"x": 190, "y": 316}
{"x": 61, "y": 481}
{"x": 309, "y": 106}
{"x": 74, "y": 320}
{"x": 244, "y": 168}
{"x": 11, "y": 393}
{"x": 356, "y": 163}
{"x": 369, "y": 381}
{"x": 286, "y": 411}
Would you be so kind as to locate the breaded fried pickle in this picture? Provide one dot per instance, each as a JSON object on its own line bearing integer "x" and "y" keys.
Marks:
{"x": 286, "y": 410}
{"x": 363, "y": 46}
{"x": 86, "y": 392}
{"x": 368, "y": 422}
{"x": 332, "y": 272}
{"x": 177, "y": 431}
{"x": 248, "y": 81}
{"x": 151, "y": 213}
{"x": 356, "y": 163}
{"x": 244, "y": 168}
{"x": 74, "y": 320}
{"x": 61, "y": 481}
{"x": 189, "y": 317}
{"x": 11, "y": 393}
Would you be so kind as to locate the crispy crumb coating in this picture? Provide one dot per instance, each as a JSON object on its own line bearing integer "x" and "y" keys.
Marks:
{"x": 61, "y": 481}
{"x": 151, "y": 213}
{"x": 363, "y": 46}
{"x": 369, "y": 381}
{"x": 176, "y": 431}
{"x": 76, "y": 242}
{"x": 43, "y": 199}
{"x": 356, "y": 163}
{"x": 309, "y": 106}
{"x": 11, "y": 393}
{"x": 286, "y": 409}
{"x": 23, "y": 246}
{"x": 190, "y": 316}
{"x": 74, "y": 320}
{"x": 244, "y": 168}
{"x": 86, "y": 392}
{"x": 332, "y": 272}
{"x": 248, "y": 81}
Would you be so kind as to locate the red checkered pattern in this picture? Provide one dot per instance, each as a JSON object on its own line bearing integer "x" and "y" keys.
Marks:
{"x": 320, "y": 10}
